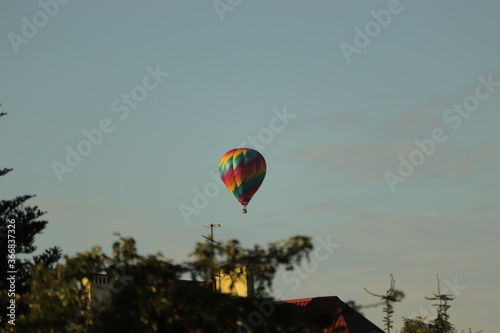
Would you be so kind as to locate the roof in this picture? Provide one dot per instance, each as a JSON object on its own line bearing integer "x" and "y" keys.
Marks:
{"x": 347, "y": 320}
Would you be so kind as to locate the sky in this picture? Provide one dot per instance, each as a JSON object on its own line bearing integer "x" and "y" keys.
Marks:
{"x": 378, "y": 121}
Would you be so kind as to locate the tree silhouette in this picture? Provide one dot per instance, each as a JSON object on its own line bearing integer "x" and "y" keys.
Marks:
{"x": 440, "y": 324}
{"x": 149, "y": 294}
{"x": 27, "y": 225}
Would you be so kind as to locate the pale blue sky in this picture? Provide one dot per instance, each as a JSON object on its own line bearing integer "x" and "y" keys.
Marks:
{"x": 228, "y": 79}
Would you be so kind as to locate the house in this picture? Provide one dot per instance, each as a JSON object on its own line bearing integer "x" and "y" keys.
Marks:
{"x": 346, "y": 319}
{"x": 237, "y": 282}
{"x": 329, "y": 310}
{"x": 98, "y": 289}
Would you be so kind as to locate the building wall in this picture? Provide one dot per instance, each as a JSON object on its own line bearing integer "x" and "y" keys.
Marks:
{"x": 238, "y": 282}
{"x": 99, "y": 290}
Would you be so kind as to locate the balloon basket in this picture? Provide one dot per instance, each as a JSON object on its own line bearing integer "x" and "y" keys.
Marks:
{"x": 244, "y": 211}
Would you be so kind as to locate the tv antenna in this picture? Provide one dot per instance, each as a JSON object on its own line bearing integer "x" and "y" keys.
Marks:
{"x": 388, "y": 298}
{"x": 442, "y": 307}
{"x": 212, "y": 241}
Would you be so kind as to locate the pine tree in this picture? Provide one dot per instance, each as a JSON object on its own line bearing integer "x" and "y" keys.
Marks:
{"x": 441, "y": 324}
{"x": 26, "y": 226}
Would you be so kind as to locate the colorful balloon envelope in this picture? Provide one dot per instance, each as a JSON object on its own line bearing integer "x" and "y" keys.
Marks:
{"x": 242, "y": 170}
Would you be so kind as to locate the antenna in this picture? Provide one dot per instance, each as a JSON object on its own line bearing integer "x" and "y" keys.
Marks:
{"x": 212, "y": 241}
{"x": 388, "y": 297}
{"x": 442, "y": 309}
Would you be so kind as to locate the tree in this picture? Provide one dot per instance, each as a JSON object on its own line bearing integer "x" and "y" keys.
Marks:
{"x": 417, "y": 325}
{"x": 441, "y": 324}
{"x": 26, "y": 225}
{"x": 148, "y": 293}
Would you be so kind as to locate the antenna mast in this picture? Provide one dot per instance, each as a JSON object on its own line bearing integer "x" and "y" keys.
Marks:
{"x": 388, "y": 297}
{"x": 212, "y": 241}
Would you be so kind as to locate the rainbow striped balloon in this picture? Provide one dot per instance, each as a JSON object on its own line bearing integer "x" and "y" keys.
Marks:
{"x": 242, "y": 170}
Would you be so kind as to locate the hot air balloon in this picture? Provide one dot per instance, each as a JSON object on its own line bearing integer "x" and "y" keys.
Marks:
{"x": 242, "y": 170}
